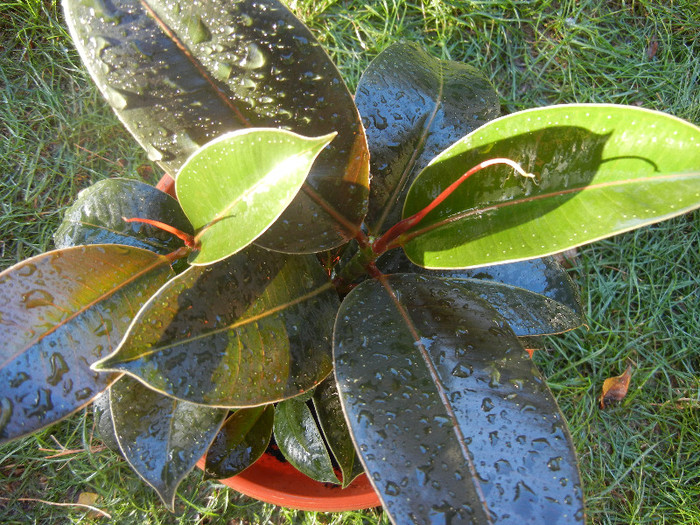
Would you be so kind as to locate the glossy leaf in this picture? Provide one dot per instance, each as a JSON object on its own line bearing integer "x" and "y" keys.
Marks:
{"x": 600, "y": 170}
{"x": 180, "y": 74}
{"x": 241, "y": 441}
{"x": 60, "y": 312}
{"x": 97, "y": 217}
{"x": 299, "y": 439}
{"x": 535, "y": 297}
{"x": 236, "y": 186}
{"x": 329, "y": 413}
{"x": 254, "y": 328}
{"x": 451, "y": 419}
{"x": 413, "y": 106}
{"x": 162, "y": 438}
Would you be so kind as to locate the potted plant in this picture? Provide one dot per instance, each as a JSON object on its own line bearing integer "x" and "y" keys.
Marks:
{"x": 365, "y": 326}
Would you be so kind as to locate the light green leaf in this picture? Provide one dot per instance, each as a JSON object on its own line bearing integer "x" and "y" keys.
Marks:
{"x": 600, "y": 170}
{"x": 236, "y": 186}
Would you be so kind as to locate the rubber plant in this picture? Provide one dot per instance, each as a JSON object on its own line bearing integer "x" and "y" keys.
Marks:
{"x": 368, "y": 328}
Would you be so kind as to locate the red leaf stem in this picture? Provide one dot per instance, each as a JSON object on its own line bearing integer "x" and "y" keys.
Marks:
{"x": 384, "y": 242}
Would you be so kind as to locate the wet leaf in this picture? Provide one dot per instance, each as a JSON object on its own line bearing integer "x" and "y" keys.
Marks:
{"x": 162, "y": 438}
{"x": 535, "y": 297}
{"x": 600, "y": 170}
{"x": 615, "y": 388}
{"x": 96, "y": 217}
{"x": 241, "y": 441}
{"x": 329, "y": 413}
{"x": 299, "y": 439}
{"x": 451, "y": 419}
{"x": 235, "y": 187}
{"x": 252, "y": 329}
{"x": 413, "y": 106}
{"x": 59, "y": 313}
{"x": 180, "y": 75}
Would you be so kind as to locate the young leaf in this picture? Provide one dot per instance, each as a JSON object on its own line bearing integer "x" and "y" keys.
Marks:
{"x": 413, "y": 106}
{"x": 300, "y": 441}
{"x": 252, "y": 329}
{"x": 335, "y": 430}
{"x": 450, "y": 418}
{"x": 97, "y": 217}
{"x": 236, "y": 186}
{"x": 60, "y": 312}
{"x": 162, "y": 438}
{"x": 180, "y": 75}
{"x": 600, "y": 170}
{"x": 241, "y": 441}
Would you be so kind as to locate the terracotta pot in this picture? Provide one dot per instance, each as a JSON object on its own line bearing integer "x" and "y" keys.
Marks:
{"x": 272, "y": 481}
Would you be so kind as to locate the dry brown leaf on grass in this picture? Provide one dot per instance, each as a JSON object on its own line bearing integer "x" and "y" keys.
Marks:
{"x": 615, "y": 388}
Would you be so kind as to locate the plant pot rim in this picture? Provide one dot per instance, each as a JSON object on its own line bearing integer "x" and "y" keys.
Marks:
{"x": 273, "y": 481}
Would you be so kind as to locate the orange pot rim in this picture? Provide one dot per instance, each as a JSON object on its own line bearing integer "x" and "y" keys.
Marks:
{"x": 273, "y": 481}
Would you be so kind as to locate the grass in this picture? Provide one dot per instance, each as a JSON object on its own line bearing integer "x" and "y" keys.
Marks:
{"x": 640, "y": 460}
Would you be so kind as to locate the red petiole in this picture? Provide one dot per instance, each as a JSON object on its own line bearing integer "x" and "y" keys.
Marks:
{"x": 384, "y": 243}
{"x": 186, "y": 237}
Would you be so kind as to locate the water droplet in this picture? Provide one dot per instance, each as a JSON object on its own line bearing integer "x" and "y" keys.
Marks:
{"x": 58, "y": 369}
{"x": 487, "y": 404}
{"x": 26, "y": 270}
{"x": 554, "y": 464}
{"x": 36, "y": 298}
{"x": 5, "y": 412}
{"x": 254, "y": 57}
{"x": 197, "y": 31}
{"x": 392, "y": 489}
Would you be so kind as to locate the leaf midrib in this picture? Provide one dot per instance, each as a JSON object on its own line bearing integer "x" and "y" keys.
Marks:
{"x": 479, "y": 211}
{"x": 248, "y": 320}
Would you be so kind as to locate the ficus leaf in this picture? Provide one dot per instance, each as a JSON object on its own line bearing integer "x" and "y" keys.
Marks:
{"x": 299, "y": 439}
{"x": 254, "y": 328}
{"x": 97, "y": 217}
{"x": 600, "y": 170}
{"x": 162, "y": 438}
{"x": 335, "y": 430}
{"x": 413, "y": 106}
{"x": 236, "y": 186}
{"x": 180, "y": 74}
{"x": 451, "y": 419}
{"x": 60, "y": 312}
{"x": 535, "y": 296}
{"x": 241, "y": 441}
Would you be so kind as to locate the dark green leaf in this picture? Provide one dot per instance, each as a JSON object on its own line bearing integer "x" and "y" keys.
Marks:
{"x": 60, "y": 312}
{"x": 413, "y": 106}
{"x": 254, "y": 328}
{"x": 535, "y": 297}
{"x": 335, "y": 430}
{"x": 299, "y": 439}
{"x": 180, "y": 74}
{"x": 600, "y": 170}
{"x": 241, "y": 441}
{"x": 96, "y": 217}
{"x": 235, "y": 187}
{"x": 104, "y": 426}
{"x": 162, "y": 438}
{"x": 451, "y": 419}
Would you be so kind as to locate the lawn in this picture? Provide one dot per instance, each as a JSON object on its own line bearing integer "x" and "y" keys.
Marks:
{"x": 640, "y": 459}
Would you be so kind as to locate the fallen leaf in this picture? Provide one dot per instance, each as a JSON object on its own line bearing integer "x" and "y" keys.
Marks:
{"x": 653, "y": 47}
{"x": 615, "y": 388}
{"x": 88, "y": 500}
